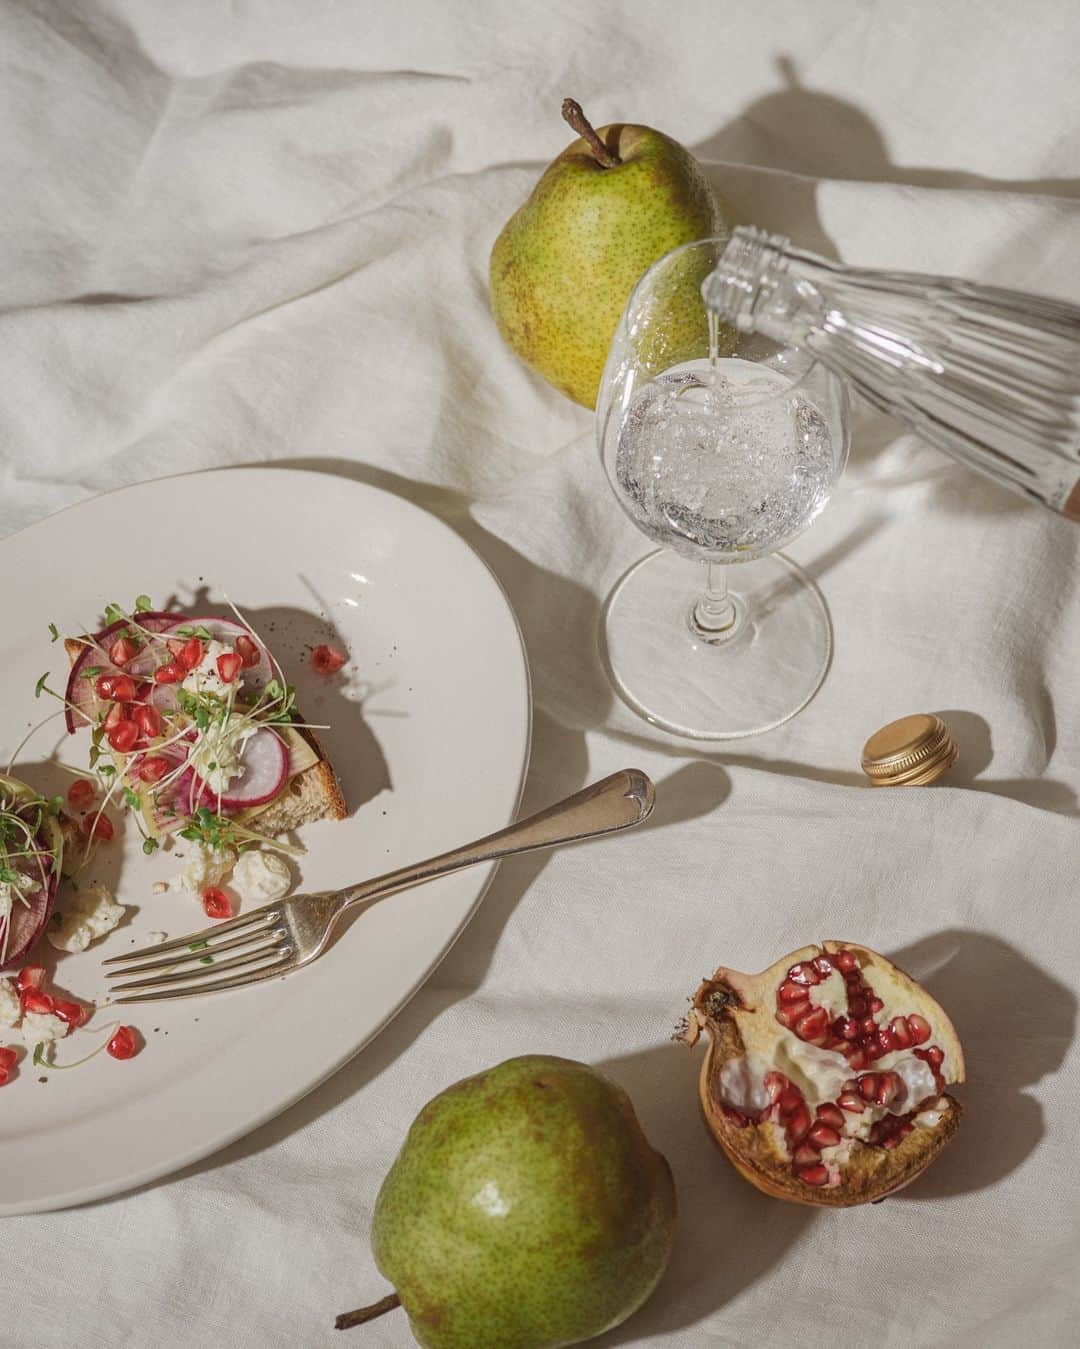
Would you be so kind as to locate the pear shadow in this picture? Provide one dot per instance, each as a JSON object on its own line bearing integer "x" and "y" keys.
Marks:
{"x": 714, "y": 1202}
{"x": 1009, "y": 1044}
{"x": 772, "y": 154}
{"x": 797, "y": 130}
{"x": 974, "y": 741}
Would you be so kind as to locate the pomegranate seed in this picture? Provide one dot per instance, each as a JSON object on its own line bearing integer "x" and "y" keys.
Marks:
{"x": 191, "y": 653}
{"x": 115, "y": 715}
{"x": 789, "y": 1099}
{"x": 813, "y": 1175}
{"x": 901, "y": 1033}
{"x": 326, "y": 660}
{"x": 122, "y": 650}
{"x": 775, "y": 1084}
{"x": 74, "y": 1013}
{"x": 103, "y": 685}
{"x": 868, "y": 1085}
{"x": 847, "y": 962}
{"x": 229, "y": 665}
{"x": 935, "y": 1057}
{"x": 123, "y": 1045}
{"x": 30, "y": 976}
{"x": 97, "y": 826}
{"x": 791, "y": 992}
{"x": 856, "y": 1057}
{"x": 787, "y": 1016}
{"x": 851, "y": 1101}
{"x": 824, "y": 1135}
{"x": 813, "y": 1025}
{"x": 831, "y": 1114}
{"x": 215, "y": 903}
{"x": 876, "y": 1005}
{"x": 122, "y": 737}
{"x": 172, "y": 673}
{"x": 919, "y": 1028}
{"x": 857, "y": 1007}
{"x": 80, "y": 794}
{"x": 735, "y": 1117}
{"x": 247, "y": 651}
{"x": 846, "y": 1027}
{"x": 34, "y": 1000}
{"x": 4, "y": 1074}
{"x": 806, "y": 1155}
{"x": 868, "y": 1025}
{"x": 148, "y": 720}
{"x": 8, "y": 1057}
{"x": 153, "y": 768}
{"x": 823, "y": 965}
{"x": 798, "y": 1125}
{"x": 123, "y": 689}
{"x": 803, "y": 974}
{"x": 889, "y": 1088}
{"x": 883, "y": 1043}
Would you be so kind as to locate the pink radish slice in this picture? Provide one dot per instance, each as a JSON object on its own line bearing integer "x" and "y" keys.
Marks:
{"x": 266, "y": 770}
{"x": 227, "y": 630}
{"x": 28, "y": 922}
{"x": 80, "y": 692}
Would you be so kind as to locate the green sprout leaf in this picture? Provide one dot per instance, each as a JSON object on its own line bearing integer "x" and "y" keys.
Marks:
{"x": 150, "y": 845}
{"x": 54, "y": 633}
{"x": 39, "y": 687}
{"x": 143, "y": 603}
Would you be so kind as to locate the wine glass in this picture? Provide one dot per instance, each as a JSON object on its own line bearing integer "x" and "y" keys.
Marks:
{"x": 721, "y": 448}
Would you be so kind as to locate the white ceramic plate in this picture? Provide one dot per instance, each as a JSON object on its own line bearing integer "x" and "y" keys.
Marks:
{"x": 430, "y": 736}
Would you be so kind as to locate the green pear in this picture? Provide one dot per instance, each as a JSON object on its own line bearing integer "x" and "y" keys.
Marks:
{"x": 564, "y": 266}
{"x": 526, "y": 1210}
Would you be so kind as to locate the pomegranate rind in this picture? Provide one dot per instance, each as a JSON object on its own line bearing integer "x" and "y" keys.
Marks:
{"x": 737, "y": 1012}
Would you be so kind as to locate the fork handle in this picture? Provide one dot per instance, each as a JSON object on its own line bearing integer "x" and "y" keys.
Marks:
{"x": 617, "y": 802}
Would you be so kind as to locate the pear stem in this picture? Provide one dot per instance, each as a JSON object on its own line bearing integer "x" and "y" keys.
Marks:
{"x": 571, "y": 111}
{"x": 362, "y": 1314}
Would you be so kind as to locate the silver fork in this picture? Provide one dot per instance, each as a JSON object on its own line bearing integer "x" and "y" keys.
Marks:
{"x": 280, "y": 937}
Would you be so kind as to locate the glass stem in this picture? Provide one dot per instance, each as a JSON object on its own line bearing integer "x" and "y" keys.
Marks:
{"x": 715, "y": 611}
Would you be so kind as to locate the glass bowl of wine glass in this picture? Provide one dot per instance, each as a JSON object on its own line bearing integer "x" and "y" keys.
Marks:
{"x": 721, "y": 448}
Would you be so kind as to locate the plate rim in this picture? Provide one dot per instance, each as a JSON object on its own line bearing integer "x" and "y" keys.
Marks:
{"x": 90, "y": 1194}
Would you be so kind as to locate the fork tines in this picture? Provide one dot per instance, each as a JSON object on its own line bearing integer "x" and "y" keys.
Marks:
{"x": 258, "y": 941}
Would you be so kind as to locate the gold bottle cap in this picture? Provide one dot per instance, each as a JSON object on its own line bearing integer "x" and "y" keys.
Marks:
{"x": 909, "y": 752}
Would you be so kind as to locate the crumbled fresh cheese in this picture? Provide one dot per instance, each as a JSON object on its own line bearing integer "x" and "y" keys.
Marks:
{"x": 204, "y": 678}
{"x": 155, "y": 938}
{"x": 159, "y": 887}
{"x": 218, "y": 756}
{"x": 206, "y": 866}
{"x": 10, "y": 1006}
{"x": 42, "y": 1028}
{"x": 82, "y": 916}
{"x": 261, "y": 877}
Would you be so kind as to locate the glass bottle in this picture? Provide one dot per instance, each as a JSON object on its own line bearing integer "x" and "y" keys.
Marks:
{"x": 990, "y": 376}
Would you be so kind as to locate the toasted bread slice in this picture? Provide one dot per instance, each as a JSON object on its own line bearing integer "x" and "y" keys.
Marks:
{"x": 312, "y": 794}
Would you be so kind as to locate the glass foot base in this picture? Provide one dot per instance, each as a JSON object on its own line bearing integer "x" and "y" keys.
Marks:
{"x": 761, "y": 672}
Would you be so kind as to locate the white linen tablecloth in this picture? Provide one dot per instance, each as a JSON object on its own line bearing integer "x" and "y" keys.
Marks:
{"x": 260, "y": 232}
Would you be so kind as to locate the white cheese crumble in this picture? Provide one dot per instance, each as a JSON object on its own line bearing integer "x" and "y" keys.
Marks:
{"x": 42, "y": 1028}
{"x": 10, "y": 1005}
{"x": 206, "y": 866}
{"x": 261, "y": 877}
{"x": 84, "y": 915}
{"x": 204, "y": 678}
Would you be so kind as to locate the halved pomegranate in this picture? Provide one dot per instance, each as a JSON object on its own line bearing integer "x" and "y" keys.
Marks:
{"x": 825, "y": 1078}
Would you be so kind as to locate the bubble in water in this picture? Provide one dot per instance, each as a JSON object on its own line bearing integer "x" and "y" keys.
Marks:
{"x": 706, "y": 468}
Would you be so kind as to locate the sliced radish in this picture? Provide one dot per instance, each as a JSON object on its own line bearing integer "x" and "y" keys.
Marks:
{"x": 266, "y": 770}
{"x": 80, "y": 692}
{"x": 27, "y": 922}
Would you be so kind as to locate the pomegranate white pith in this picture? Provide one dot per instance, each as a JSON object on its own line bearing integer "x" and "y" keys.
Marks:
{"x": 825, "y": 1077}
